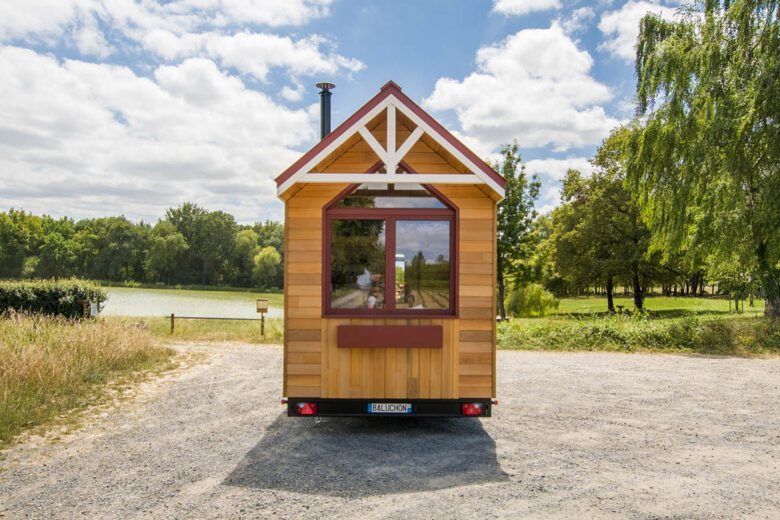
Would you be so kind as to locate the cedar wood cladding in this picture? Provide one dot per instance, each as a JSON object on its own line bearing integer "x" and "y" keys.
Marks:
{"x": 315, "y": 367}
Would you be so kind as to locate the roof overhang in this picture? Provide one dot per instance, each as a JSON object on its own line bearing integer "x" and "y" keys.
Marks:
{"x": 390, "y": 99}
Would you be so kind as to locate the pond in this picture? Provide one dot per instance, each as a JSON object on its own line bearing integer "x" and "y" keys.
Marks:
{"x": 124, "y": 301}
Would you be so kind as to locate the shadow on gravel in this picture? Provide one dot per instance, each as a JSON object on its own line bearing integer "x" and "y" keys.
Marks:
{"x": 369, "y": 456}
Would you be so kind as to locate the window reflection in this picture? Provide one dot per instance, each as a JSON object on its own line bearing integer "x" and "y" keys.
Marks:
{"x": 357, "y": 264}
{"x": 422, "y": 264}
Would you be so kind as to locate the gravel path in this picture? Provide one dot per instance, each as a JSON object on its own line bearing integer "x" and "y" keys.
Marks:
{"x": 583, "y": 435}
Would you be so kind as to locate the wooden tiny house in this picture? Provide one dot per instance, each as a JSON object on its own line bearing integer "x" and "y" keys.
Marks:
{"x": 389, "y": 268}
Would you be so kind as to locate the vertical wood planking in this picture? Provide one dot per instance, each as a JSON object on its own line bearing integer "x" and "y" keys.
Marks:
{"x": 390, "y": 373}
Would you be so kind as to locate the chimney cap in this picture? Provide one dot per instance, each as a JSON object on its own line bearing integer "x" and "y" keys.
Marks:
{"x": 325, "y": 86}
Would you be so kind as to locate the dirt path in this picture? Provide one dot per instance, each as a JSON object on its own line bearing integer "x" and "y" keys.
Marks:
{"x": 575, "y": 436}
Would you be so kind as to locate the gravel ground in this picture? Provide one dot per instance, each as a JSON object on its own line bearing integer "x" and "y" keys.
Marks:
{"x": 577, "y": 435}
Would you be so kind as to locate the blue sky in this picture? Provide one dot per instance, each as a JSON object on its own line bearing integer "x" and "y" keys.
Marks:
{"x": 112, "y": 107}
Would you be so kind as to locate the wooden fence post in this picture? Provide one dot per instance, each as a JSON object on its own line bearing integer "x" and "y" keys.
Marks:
{"x": 171, "y": 323}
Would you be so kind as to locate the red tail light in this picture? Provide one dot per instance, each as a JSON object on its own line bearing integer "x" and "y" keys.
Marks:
{"x": 471, "y": 408}
{"x": 306, "y": 408}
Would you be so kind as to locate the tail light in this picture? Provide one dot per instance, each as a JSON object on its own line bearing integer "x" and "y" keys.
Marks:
{"x": 306, "y": 408}
{"x": 471, "y": 408}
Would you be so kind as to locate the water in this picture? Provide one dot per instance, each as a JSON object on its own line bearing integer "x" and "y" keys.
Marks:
{"x": 162, "y": 302}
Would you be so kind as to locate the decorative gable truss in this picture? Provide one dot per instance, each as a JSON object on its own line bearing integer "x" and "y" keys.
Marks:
{"x": 391, "y": 154}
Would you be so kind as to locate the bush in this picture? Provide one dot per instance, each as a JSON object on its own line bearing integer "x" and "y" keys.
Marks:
{"x": 727, "y": 336}
{"x": 530, "y": 300}
{"x": 54, "y": 298}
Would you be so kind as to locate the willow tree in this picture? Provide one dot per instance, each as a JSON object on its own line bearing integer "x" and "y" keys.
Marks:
{"x": 704, "y": 153}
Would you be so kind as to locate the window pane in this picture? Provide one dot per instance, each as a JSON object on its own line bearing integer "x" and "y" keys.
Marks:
{"x": 357, "y": 255}
{"x": 391, "y": 196}
{"x": 422, "y": 264}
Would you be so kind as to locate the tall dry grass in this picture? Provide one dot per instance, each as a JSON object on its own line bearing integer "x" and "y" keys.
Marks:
{"x": 51, "y": 365}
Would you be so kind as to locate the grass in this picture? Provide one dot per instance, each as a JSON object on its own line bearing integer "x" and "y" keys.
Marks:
{"x": 674, "y": 325}
{"x": 215, "y": 330}
{"x": 661, "y": 306}
{"x": 51, "y": 366}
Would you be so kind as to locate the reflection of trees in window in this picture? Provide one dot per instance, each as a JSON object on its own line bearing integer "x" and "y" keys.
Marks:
{"x": 357, "y": 246}
{"x": 418, "y": 275}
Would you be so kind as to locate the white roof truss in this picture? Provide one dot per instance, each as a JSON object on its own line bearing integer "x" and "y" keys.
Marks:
{"x": 390, "y": 155}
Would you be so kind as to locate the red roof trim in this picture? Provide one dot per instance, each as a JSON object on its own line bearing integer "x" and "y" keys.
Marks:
{"x": 387, "y": 89}
{"x": 482, "y": 165}
{"x": 343, "y": 127}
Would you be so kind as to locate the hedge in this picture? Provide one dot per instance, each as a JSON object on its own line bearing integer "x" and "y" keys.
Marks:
{"x": 52, "y": 297}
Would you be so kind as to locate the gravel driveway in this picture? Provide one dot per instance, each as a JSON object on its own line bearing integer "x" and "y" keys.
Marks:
{"x": 577, "y": 435}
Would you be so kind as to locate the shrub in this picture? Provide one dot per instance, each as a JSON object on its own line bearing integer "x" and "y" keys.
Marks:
{"x": 54, "y": 298}
{"x": 530, "y": 300}
{"x": 713, "y": 335}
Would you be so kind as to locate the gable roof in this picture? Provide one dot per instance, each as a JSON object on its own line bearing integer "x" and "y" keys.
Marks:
{"x": 390, "y": 94}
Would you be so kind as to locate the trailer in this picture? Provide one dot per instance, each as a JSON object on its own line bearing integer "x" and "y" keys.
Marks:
{"x": 389, "y": 268}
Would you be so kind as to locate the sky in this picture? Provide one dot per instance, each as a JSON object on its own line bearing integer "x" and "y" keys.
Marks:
{"x": 130, "y": 107}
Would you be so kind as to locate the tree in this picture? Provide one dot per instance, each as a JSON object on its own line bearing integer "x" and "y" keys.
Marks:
{"x": 213, "y": 245}
{"x": 14, "y": 243}
{"x": 166, "y": 253}
{"x": 615, "y": 210}
{"x": 704, "y": 153}
{"x": 56, "y": 257}
{"x": 515, "y": 219}
{"x": 598, "y": 233}
{"x": 267, "y": 263}
{"x": 243, "y": 256}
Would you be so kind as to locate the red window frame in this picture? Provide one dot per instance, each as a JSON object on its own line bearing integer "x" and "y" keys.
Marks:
{"x": 390, "y": 216}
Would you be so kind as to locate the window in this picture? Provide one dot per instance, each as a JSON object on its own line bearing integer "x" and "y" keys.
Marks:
{"x": 389, "y": 251}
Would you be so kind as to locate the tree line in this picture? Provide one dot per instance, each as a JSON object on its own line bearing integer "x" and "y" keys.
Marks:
{"x": 190, "y": 245}
{"x": 685, "y": 194}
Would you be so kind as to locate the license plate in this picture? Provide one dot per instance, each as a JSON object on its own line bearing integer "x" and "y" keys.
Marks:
{"x": 389, "y": 408}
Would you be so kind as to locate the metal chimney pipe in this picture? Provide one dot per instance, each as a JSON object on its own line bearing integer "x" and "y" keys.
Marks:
{"x": 325, "y": 94}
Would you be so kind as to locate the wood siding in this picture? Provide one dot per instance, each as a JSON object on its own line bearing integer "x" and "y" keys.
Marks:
{"x": 313, "y": 364}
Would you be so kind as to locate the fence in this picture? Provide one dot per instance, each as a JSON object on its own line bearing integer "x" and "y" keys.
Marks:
{"x": 173, "y": 318}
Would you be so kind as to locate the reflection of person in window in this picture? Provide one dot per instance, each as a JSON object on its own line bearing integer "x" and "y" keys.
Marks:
{"x": 373, "y": 299}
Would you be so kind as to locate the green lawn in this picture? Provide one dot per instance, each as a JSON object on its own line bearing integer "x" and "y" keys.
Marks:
{"x": 674, "y": 324}
{"x": 661, "y": 306}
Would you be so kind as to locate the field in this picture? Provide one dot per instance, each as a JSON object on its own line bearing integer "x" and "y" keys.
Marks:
{"x": 49, "y": 366}
{"x": 663, "y": 307}
{"x": 673, "y": 324}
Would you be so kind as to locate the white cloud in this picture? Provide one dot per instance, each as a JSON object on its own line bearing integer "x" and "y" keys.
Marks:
{"x": 168, "y": 27}
{"x": 81, "y": 138}
{"x": 552, "y": 172}
{"x": 621, "y": 27}
{"x": 556, "y": 169}
{"x": 47, "y": 19}
{"x": 549, "y": 199}
{"x": 578, "y": 20}
{"x": 535, "y": 87}
{"x": 293, "y": 94}
{"x": 520, "y": 7}
{"x": 252, "y": 53}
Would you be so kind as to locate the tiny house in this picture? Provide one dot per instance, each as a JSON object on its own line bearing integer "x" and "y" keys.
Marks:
{"x": 389, "y": 268}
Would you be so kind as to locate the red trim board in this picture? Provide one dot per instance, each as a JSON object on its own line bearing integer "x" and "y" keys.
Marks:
{"x": 389, "y": 336}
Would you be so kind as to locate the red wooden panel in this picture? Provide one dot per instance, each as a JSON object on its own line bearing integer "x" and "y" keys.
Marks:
{"x": 389, "y": 336}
